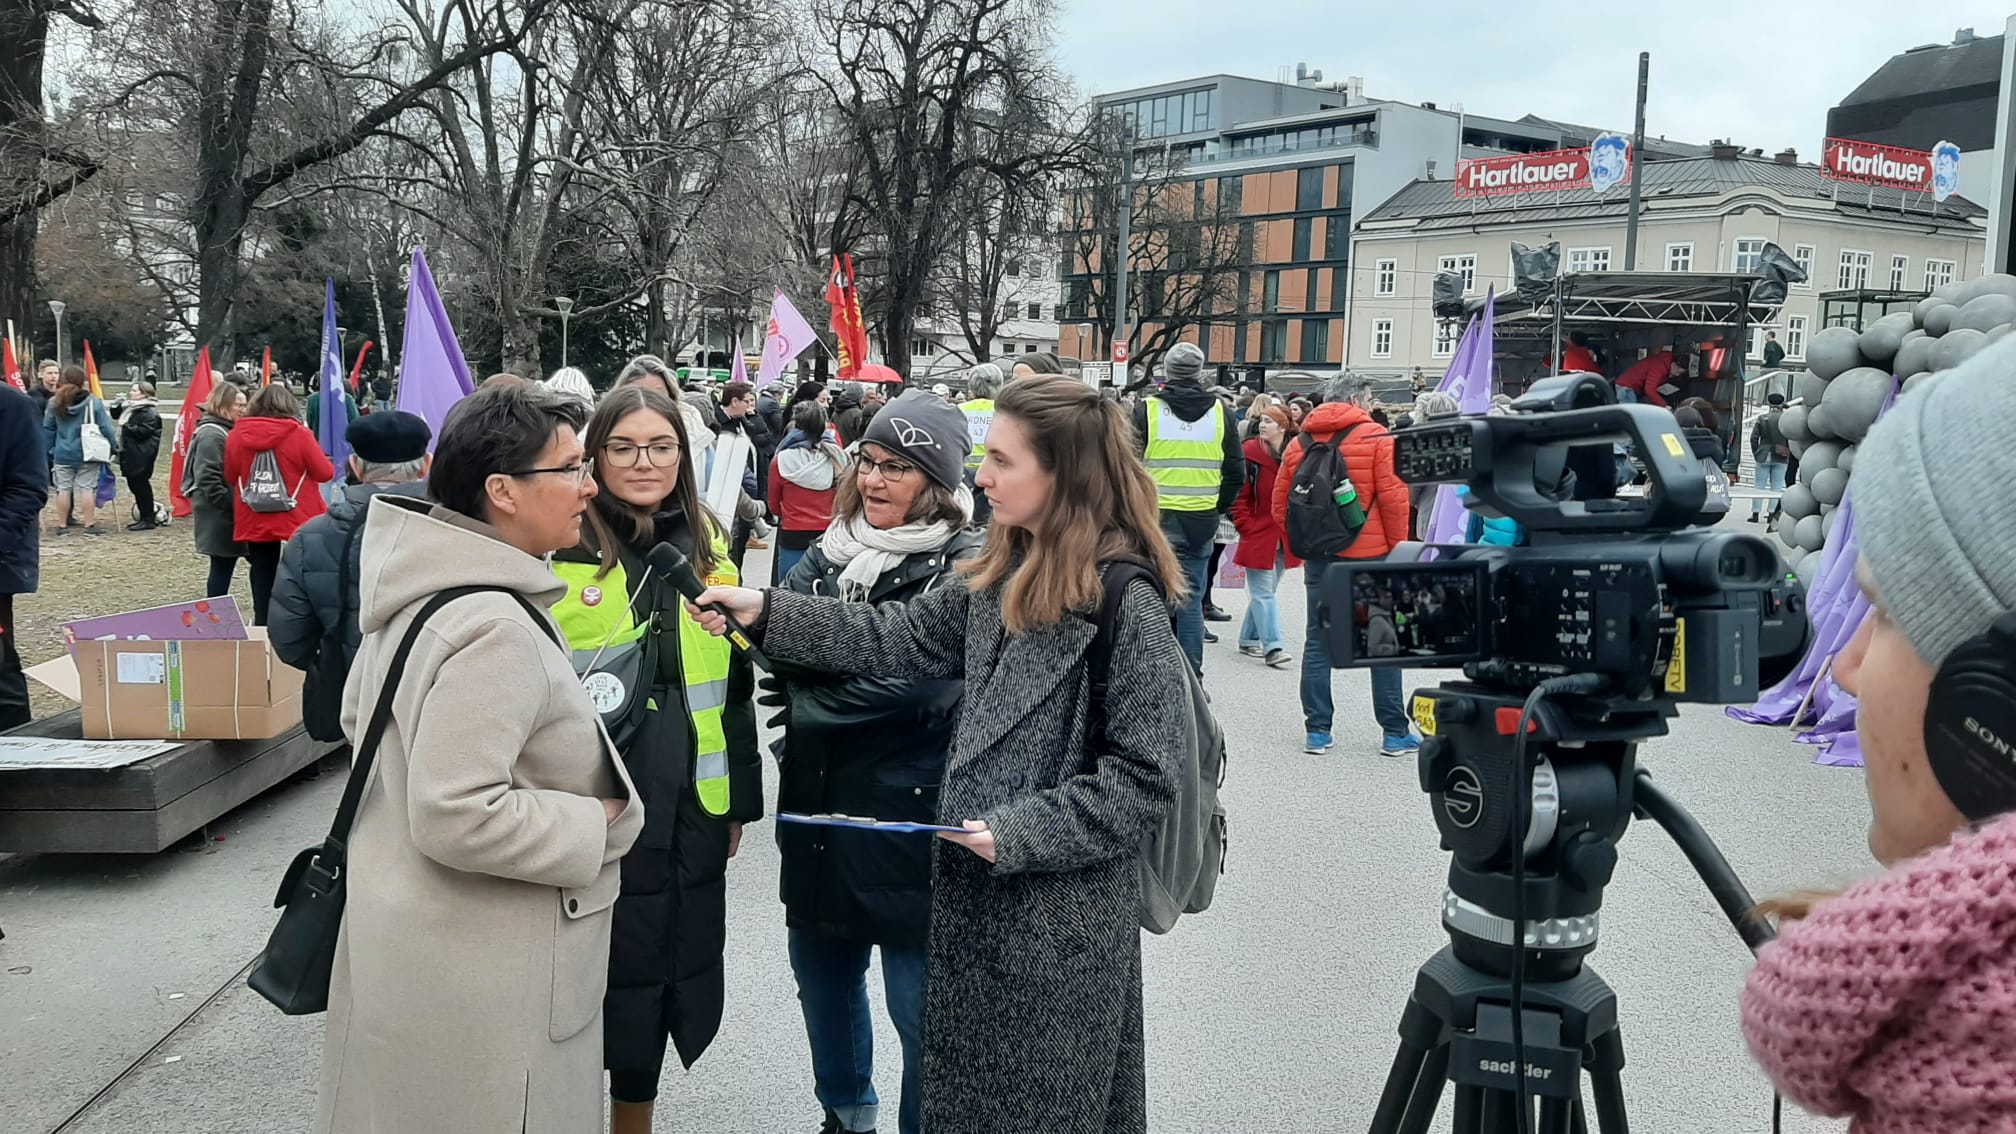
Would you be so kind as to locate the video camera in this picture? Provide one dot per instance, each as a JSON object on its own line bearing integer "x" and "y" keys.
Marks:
{"x": 1576, "y": 646}
{"x": 1622, "y": 587}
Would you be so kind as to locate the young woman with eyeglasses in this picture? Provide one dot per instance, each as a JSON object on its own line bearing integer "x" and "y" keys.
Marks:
{"x": 680, "y": 707}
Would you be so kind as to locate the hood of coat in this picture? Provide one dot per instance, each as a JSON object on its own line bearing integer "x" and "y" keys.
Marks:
{"x": 414, "y": 548}
{"x": 265, "y": 432}
{"x": 209, "y": 418}
{"x": 1330, "y": 417}
{"x": 1187, "y": 400}
{"x": 815, "y": 468}
{"x": 1262, "y": 454}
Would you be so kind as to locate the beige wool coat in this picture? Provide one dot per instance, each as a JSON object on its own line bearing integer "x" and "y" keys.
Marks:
{"x": 467, "y": 992}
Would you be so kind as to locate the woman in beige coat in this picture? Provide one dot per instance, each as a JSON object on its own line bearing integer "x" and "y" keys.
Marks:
{"x": 467, "y": 992}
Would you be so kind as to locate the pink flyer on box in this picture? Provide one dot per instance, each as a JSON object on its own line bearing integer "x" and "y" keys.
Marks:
{"x": 214, "y": 619}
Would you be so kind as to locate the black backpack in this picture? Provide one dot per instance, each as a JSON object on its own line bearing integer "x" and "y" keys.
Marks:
{"x": 1316, "y": 527}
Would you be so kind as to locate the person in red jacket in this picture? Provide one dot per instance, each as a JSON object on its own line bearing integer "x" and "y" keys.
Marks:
{"x": 1368, "y": 461}
{"x": 1650, "y": 379}
{"x": 803, "y": 476}
{"x": 1263, "y": 546}
{"x": 272, "y": 424}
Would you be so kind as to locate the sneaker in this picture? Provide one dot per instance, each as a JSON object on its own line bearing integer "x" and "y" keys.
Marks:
{"x": 142, "y": 526}
{"x": 1210, "y": 639}
{"x": 1278, "y": 658}
{"x": 1253, "y": 651}
{"x": 1318, "y": 742}
{"x": 1755, "y": 520}
{"x": 1215, "y": 613}
{"x": 757, "y": 543}
{"x": 1400, "y": 746}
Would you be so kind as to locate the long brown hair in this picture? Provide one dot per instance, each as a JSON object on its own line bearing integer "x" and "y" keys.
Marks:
{"x": 1102, "y": 507}
{"x": 74, "y": 386}
{"x": 275, "y": 400}
{"x": 612, "y": 521}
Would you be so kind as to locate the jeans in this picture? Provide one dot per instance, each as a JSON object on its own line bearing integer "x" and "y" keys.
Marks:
{"x": 782, "y": 560}
{"x": 833, "y": 991}
{"x": 1770, "y": 474}
{"x": 1262, "y": 626}
{"x": 1191, "y": 536}
{"x": 1319, "y": 710}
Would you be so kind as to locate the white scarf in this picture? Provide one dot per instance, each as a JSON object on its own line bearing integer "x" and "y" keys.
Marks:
{"x": 865, "y": 553}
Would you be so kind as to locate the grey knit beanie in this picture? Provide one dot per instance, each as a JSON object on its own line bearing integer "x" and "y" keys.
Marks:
{"x": 1184, "y": 364}
{"x": 1936, "y": 524}
{"x": 929, "y": 432}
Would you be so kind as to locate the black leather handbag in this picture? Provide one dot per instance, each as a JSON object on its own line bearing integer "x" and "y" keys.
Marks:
{"x": 293, "y": 971}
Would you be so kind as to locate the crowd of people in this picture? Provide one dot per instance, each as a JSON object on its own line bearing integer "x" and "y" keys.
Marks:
{"x": 537, "y": 892}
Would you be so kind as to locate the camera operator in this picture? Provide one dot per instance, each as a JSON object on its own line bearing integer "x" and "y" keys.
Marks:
{"x": 1895, "y": 1002}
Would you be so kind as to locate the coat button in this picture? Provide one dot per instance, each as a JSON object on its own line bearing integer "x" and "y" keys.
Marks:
{"x": 916, "y": 791}
{"x": 1015, "y": 779}
{"x": 573, "y": 905}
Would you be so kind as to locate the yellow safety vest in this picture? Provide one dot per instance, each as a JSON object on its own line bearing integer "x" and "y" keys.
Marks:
{"x": 1186, "y": 458}
{"x": 597, "y": 612}
{"x": 979, "y": 416}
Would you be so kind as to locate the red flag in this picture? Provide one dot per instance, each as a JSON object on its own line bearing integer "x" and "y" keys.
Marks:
{"x": 185, "y": 427}
{"x": 850, "y": 333}
{"x": 8, "y": 369}
{"x": 357, "y": 371}
{"x": 265, "y": 367}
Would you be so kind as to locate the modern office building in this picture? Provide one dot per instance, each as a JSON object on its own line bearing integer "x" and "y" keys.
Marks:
{"x": 1701, "y": 214}
{"x": 1294, "y": 164}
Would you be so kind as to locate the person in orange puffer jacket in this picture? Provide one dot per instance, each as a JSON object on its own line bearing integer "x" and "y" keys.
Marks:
{"x": 1368, "y": 461}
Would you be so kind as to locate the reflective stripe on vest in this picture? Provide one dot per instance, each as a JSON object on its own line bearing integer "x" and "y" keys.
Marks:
{"x": 1186, "y": 458}
{"x": 596, "y": 611}
{"x": 979, "y": 416}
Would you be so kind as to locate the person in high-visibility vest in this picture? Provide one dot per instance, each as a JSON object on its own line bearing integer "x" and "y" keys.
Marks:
{"x": 1186, "y": 438}
{"x": 982, "y": 383}
{"x": 679, "y": 704}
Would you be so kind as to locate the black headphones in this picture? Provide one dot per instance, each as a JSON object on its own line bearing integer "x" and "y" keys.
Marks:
{"x": 1970, "y": 723}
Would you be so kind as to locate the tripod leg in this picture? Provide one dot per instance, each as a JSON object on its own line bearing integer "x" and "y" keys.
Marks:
{"x": 1419, "y": 1067}
{"x": 1606, "y": 1082}
{"x": 1556, "y": 1116}
{"x": 1427, "y": 1092}
{"x": 1469, "y": 1111}
{"x": 1581, "y": 1122}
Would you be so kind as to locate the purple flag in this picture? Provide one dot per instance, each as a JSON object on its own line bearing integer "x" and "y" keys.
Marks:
{"x": 433, "y": 374}
{"x": 738, "y": 370}
{"x": 788, "y": 334}
{"x": 335, "y": 423}
{"x": 1469, "y": 381}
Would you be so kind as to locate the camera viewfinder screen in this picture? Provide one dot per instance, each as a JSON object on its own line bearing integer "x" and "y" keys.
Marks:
{"x": 1416, "y": 615}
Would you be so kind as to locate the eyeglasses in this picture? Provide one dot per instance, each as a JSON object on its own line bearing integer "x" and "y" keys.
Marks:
{"x": 573, "y": 472}
{"x": 623, "y": 455}
{"x": 895, "y": 472}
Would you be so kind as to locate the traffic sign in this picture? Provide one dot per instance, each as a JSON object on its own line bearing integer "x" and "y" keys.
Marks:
{"x": 1120, "y": 353}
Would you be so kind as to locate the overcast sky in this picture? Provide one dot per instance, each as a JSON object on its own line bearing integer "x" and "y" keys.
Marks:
{"x": 1762, "y": 72}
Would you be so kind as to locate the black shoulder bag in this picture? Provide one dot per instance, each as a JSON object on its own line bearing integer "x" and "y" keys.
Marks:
{"x": 293, "y": 970}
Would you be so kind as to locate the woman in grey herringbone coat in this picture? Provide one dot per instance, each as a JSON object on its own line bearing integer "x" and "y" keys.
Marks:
{"x": 1032, "y": 1011}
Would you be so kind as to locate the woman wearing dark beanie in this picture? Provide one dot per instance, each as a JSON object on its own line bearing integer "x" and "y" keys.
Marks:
{"x": 1894, "y": 1003}
{"x": 872, "y": 744}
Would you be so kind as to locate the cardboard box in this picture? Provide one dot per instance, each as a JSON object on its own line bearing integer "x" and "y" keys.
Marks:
{"x": 178, "y": 690}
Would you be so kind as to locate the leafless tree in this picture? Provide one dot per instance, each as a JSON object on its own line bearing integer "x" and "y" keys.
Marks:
{"x": 36, "y": 167}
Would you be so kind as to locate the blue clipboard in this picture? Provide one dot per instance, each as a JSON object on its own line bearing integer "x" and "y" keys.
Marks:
{"x": 862, "y": 824}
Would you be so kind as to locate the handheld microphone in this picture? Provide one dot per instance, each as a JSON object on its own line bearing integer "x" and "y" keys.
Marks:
{"x": 672, "y": 563}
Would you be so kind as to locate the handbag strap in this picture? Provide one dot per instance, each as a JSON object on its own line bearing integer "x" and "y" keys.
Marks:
{"x": 367, "y": 746}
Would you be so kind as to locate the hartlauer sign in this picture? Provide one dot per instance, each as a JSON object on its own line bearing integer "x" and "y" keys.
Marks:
{"x": 1555, "y": 169}
{"x": 1866, "y": 163}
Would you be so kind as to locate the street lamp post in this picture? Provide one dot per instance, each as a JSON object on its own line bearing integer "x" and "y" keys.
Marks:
{"x": 56, "y": 308}
{"x": 565, "y": 304}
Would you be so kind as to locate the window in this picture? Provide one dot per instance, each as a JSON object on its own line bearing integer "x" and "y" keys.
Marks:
{"x": 922, "y": 348}
{"x": 1270, "y": 292}
{"x": 1308, "y": 190}
{"x": 1755, "y": 350}
{"x": 1795, "y": 336}
{"x": 1232, "y": 191}
{"x": 1014, "y": 267}
{"x": 1340, "y": 283}
{"x": 1900, "y": 268}
{"x": 1938, "y": 273}
{"x": 1274, "y": 340}
{"x": 1465, "y": 266}
{"x": 1589, "y": 259}
{"x": 1009, "y": 311}
{"x": 1802, "y": 254}
{"x": 1303, "y": 230}
{"x": 1028, "y": 348}
{"x": 1385, "y": 276}
{"x": 1445, "y": 338}
{"x": 1382, "y": 338}
{"x": 1680, "y": 257}
{"x": 1854, "y": 270}
{"x": 1035, "y": 311}
{"x": 1057, "y": 313}
{"x": 1749, "y": 250}
{"x": 1337, "y": 237}
{"x": 1315, "y": 340}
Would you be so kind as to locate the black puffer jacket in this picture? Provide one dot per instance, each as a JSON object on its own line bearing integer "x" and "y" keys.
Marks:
{"x": 139, "y": 439}
{"x": 868, "y": 745}
{"x": 313, "y": 619}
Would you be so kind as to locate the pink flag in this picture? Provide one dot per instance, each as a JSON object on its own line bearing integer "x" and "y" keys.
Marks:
{"x": 433, "y": 374}
{"x": 1469, "y": 381}
{"x": 788, "y": 335}
{"x": 738, "y": 370}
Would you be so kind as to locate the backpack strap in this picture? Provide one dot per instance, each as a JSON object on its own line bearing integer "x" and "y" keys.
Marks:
{"x": 1099, "y": 655}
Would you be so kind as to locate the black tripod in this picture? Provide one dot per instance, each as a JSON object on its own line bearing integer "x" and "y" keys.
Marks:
{"x": 1457, "y": 1026}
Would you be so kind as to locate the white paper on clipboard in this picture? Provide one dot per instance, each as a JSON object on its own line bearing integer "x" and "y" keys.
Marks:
{"x": 726, "y": 460}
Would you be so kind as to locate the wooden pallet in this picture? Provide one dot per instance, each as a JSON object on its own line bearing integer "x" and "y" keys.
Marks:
{"x": 146, "y": 806}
